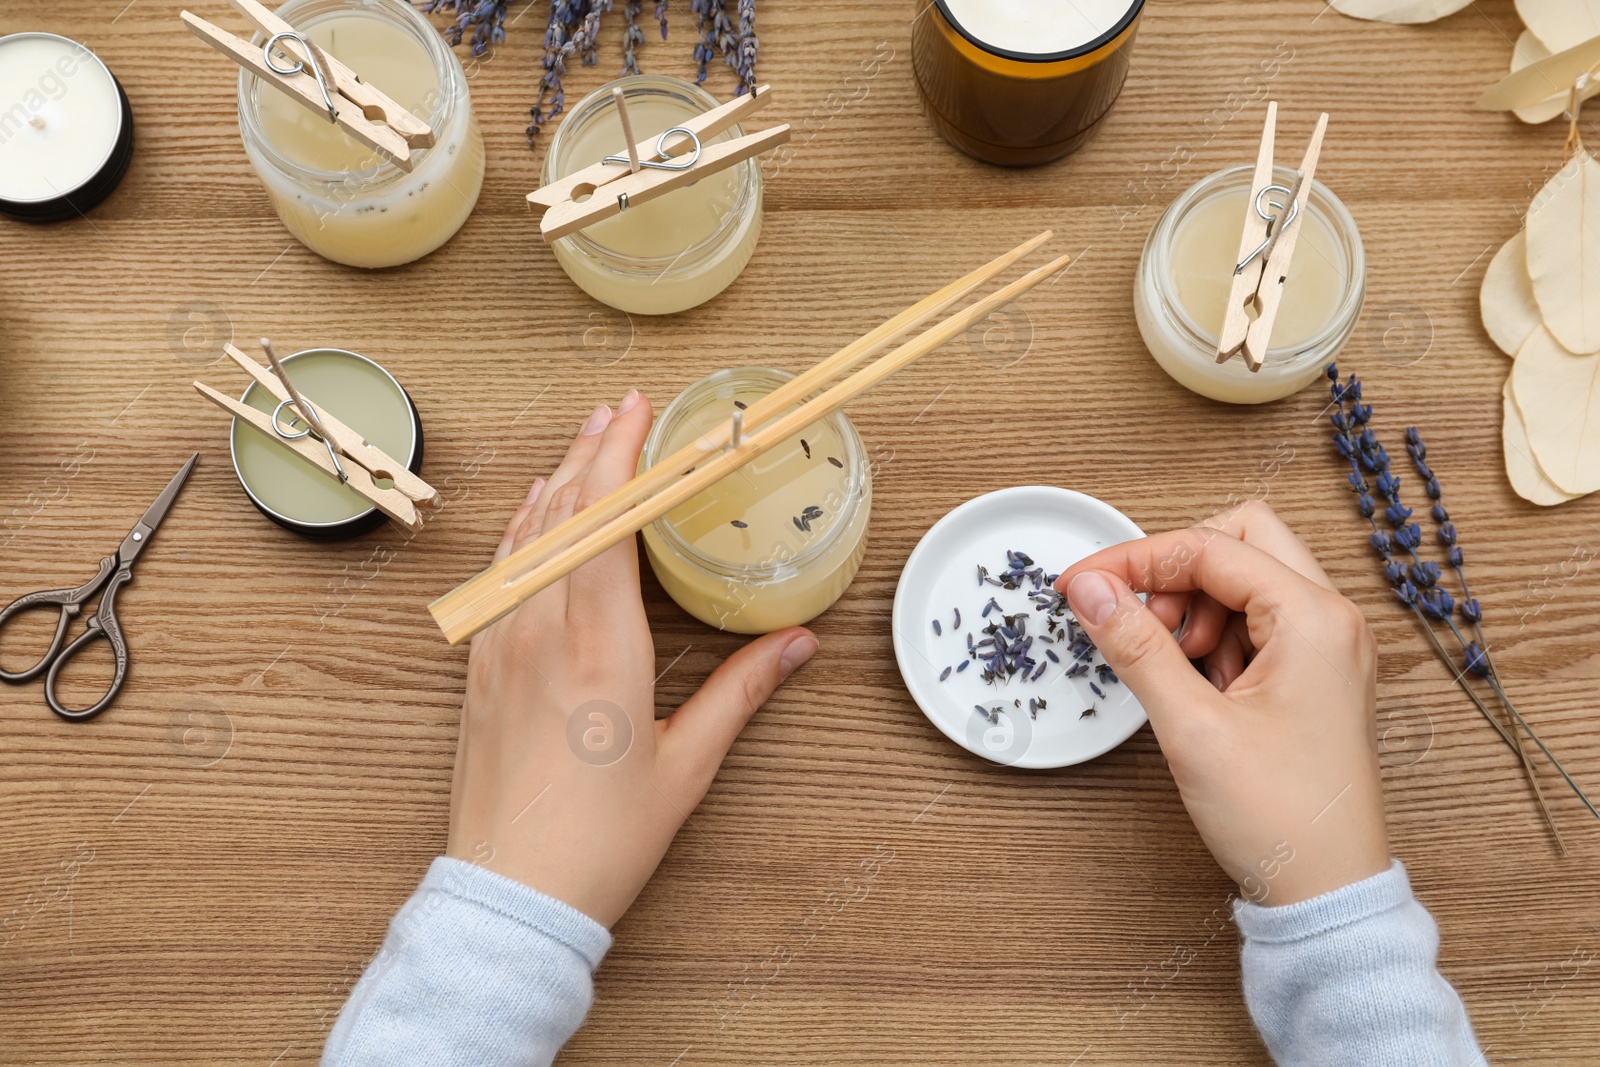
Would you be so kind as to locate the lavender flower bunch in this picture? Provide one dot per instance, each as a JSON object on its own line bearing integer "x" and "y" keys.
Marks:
{"x": 574, "y": 28}
{"x": 1419, "y": 584}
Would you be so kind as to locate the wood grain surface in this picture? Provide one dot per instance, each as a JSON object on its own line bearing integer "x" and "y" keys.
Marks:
{"x": 274, "y": 780}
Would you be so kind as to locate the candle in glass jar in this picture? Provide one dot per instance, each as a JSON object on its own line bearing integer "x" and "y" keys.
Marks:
{"x": 297, "y": 494}
{"x": 1019, "y": 82}
{"x": 1186, "y": 273}
{"x": 775, "y": 543}
{"x": 337, "y": 196}
{"x": 66, "y": 130}
{"x": 671, "y": 253}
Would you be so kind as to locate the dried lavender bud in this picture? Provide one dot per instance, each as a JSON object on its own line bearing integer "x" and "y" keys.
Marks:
{"x": 1440, "y": 514}
{"x": 1436, "y": 603}
{"x": 1332, "y": 371}
{"x": 1447, "y": 533}
{"x": 1471, "y": 610}
{"x": 1455, "y": 557}
{"x": 1432, "y": 488}
{"x": 1394, "y": 572}
{"x": 739, "y": 524}
{"x": 937, "y": 631}
{"x": 962, "y": 665}
{"x": 1380, "y": 540}
{"x": 944, "y": 674}
{"x": 1425, "y": 574}
{"x": 1408, "y": 537}
{"x": 957, "y": 623}
{"x": 1388, "y": 485}
{"x": 1365, "y": 506}
{"x": 1360, "y": 414}
{"x": 1407, "y": 593}
{"x": 1476, "y": 660}
{"x": 1097, "y": 690}
{"x": 806, "y": 447}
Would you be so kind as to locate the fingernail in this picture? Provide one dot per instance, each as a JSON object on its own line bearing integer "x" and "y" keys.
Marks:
{"x": 1092, "y": 597}
{"x": 598, "y": 420}
{"x": 1216, "y": 678}
{"x": 795, "y": 653}
{"x": 629, "y": 399}
{"x": 533, "y": 493}
{"x": 1183, "y": 628}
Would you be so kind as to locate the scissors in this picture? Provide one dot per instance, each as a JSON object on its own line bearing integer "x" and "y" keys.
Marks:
{"x": 116, "y": 571}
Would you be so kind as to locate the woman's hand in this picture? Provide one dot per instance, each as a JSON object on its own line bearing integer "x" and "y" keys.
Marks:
{"x": 1276, "y": 756}
{"x": 565, "y": 780}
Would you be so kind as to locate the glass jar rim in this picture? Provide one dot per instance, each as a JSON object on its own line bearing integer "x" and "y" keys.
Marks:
{"x": 1133, "y": 10}
{"x": 854, "y": 466}
{"x": 383, "y": 171}
{"x": 1322, "y": 202}
{"x": 594, "y": 105}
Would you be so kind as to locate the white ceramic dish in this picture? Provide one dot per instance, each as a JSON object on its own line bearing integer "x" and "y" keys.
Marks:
{"x": 1056, "y": 527}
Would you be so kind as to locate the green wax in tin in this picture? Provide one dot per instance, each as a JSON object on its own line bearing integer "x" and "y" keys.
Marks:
{"x": 348, "y": 387}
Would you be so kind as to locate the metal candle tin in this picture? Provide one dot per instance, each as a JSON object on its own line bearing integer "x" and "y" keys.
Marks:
{"x": 293, "y": 493}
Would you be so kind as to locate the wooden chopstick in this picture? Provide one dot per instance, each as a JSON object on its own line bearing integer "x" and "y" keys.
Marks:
{"x": 780, "y": 399}
{"x": 479, "y": 602}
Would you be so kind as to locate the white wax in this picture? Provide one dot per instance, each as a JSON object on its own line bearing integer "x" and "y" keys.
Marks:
{"x": 60, "y": 116}
{"x": 1037, "y": 27}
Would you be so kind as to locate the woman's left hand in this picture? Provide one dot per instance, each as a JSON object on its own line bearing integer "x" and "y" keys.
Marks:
{"x": 565, "y": 780}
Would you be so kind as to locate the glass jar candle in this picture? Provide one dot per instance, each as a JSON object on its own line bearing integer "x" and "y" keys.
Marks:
{"x": 778, "y": 541}
{"x": 295, "y": 493}
{"x": 1019, "y": 82}
{"x": 1186, "y": 272}
{"x": 671, "y": 253}
{"x": 338, "y": 197}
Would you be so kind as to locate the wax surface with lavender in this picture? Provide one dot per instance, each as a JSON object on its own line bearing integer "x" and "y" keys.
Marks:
{"x": 776, "y": 542}
{"x": 990, "y": 651}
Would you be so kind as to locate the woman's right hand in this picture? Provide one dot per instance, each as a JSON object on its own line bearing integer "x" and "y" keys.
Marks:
{"x": 1276, "y": 755}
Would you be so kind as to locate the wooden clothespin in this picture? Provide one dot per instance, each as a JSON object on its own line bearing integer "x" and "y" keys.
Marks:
{"x": 676, "y": 158}
{"x": 1271, "y": 229}
{"x": 367, "y": 463}
{"x": 292, "y": 64}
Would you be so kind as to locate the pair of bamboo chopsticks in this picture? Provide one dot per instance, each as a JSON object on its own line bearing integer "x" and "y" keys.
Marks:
{"x": 480, "y": 601}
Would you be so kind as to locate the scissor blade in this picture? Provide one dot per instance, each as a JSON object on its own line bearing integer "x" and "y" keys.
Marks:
{"x": 139, "y": 536}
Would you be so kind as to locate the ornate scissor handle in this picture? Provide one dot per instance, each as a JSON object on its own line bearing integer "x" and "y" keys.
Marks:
{"x": 70, "y": 601}
{"x": 104, "y": 625}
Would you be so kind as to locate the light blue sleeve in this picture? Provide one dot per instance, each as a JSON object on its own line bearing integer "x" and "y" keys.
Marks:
{"x": 477, "y": 970}
{"x": 1349, "y": 979}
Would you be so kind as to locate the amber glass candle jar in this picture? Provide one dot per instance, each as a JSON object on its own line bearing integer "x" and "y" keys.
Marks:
{"x": 1020, "y": 82}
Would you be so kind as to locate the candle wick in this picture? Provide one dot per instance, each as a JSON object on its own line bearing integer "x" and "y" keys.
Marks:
{"x": 36, "y": 122}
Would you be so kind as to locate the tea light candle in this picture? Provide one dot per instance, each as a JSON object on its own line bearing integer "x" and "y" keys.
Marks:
{"x": 293, "y": 492}
{"x": 66, "y": 130}
{"x": 1186, "y": 272}
{"x": 338, "y": 197}
{"x": 1020, "y": 82}
{"x": 778, "y": 541}
{"x": 671, "y": 253}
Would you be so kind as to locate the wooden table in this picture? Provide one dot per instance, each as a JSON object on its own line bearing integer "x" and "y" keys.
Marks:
{"x": 272, "y": 784}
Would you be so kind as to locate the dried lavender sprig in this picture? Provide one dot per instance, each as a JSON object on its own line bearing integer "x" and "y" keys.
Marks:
{"x": 1445, "y": 532}
{"x": 1431, "y": 602}
{"x": 485, "y": 18}
{"x": 632, "y": 35}
{"x": 749, "y": 44}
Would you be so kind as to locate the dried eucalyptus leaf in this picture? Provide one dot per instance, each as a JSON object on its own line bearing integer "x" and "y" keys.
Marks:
{"x": 1506, "y": 299}
{"x": 1532, "y": 84}
{"x": 1398, "y": 10}
{"x": 1558, "y": 394}
{"x": 1529, "y": 50}
{"x": 1564, "y": 253}
{"x": 1527, "y": 480}
{"x": 1561, "y": 24}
